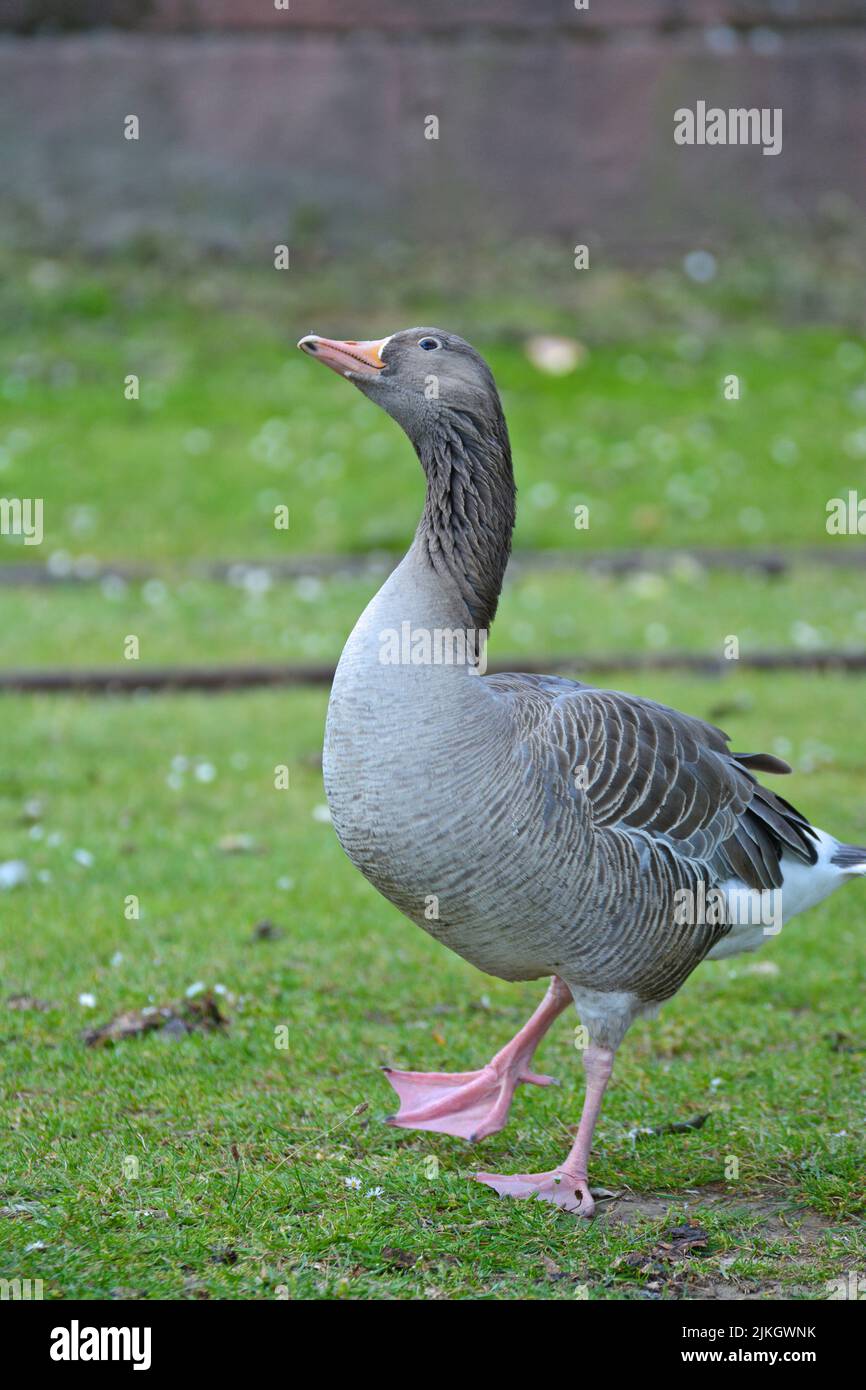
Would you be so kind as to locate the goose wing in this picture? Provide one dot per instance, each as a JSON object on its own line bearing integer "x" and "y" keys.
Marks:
{"x": 645, "y": 767}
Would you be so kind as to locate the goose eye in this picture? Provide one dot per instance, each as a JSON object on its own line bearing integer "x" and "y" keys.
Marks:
{"x": 429, "y": 344}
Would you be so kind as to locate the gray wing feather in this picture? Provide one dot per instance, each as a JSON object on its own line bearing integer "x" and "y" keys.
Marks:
{"x": 646, "y": 768}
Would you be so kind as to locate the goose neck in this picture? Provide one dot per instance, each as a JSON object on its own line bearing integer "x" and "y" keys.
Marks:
{"x": 464, "y": 535}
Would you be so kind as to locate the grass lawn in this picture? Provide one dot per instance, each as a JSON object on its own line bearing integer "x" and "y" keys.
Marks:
{"x": 264, "y": 1172}
{"x": 184, "y": 620}
{"x": 192, "y": 1164}
{"x": 232, "y": 422}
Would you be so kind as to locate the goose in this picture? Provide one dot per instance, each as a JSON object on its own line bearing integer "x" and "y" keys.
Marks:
{"x": 536, "y": 826}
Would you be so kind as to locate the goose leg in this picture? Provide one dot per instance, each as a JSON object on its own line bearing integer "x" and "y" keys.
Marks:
{"x": 473, "y": 1104}
{"x": 568, "y": 1185}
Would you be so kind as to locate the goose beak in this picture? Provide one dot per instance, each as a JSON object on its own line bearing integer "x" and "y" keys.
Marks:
{"x": 348, "y": 357}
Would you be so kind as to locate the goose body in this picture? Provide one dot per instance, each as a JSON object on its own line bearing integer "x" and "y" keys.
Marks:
{"x": 534, "y": 825}
{"x": 464, "y": 788}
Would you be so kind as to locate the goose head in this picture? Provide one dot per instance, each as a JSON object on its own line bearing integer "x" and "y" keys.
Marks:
{"x": 423, "y": 377}
{"x": 442, "y": 393}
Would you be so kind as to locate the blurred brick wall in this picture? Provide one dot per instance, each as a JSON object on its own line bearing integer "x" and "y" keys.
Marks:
{"x": 408, "y": 15}
{"x": 259, "y": 125}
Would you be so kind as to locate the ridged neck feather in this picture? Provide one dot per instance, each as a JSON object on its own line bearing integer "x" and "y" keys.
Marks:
{"x": 465, "y": 528}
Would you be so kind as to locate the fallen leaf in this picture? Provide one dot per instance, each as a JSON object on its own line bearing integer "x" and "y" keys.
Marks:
{"x": 237, "y": 844}
{"x": 201, "y": 1014}
{"x": 223, "y": 1255}
{"x": 555, "y": 355}
{"x": 672, "y": 1127}
{"x": 843, "y": 1042}
{"x": 675, "y": 1245}
{"x": 399, "y": 1259}
{"x": 681, "y": 1241}
{"x": 267, "y": 931}
{"x": 27, "y": 1001}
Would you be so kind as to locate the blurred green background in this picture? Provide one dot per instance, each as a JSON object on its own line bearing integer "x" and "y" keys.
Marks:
{"x": 255, "y": 1171}
{"x": 232, "y": 422}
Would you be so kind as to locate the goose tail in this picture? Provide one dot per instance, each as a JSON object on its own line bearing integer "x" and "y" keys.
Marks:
{"x": 851, "y": 859}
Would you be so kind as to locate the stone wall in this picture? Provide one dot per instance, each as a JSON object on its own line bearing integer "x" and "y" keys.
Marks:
{"x": 259, "y": 125}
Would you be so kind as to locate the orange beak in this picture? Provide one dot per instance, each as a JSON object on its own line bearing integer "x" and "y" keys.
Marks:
{"x": 348, "y": 357}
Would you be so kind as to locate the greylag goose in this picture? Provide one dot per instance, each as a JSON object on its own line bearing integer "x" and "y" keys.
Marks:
{"x": 534, "y": 825}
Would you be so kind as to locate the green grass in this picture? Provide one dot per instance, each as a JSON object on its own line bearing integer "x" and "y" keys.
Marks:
{"x": 233, "y": 422}
{"x": 244, "y": 1150}
{"x": 181, "y": 620}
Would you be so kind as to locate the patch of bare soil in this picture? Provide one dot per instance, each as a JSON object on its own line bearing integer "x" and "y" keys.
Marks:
{"x": 669, "y": 1263}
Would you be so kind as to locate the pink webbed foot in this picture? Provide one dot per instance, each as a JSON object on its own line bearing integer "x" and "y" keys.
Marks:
{"x": 561, "y": 1188}
{"x": 473, "y": 1104}
{"x": 468, "y": 1104}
